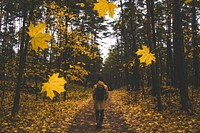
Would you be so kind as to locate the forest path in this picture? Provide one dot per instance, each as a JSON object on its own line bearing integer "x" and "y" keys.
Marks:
{"x": 84, "y": 120}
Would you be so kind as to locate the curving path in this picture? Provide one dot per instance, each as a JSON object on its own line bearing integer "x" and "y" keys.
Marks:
{"x": 84, "y": 120}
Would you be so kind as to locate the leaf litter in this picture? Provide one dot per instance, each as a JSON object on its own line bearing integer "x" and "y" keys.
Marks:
{"x": 77, "y": 114}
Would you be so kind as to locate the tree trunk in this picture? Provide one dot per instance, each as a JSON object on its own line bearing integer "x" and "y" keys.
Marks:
{"x": 154, "y": 66}
{"x": 134, "y": 48}
{"x": 65, "y": 67}
{"x": 21, "y": 68}
{"x": 123, "y": 40}
{"x": 179, "y": 54}
{"x": 142, "y": 85}
{"x": 23, "y": 53}
{"x": 155, "y": 70}
{"x": 169, "y": 47}
{"x": 1, "y": 13}
{"x": 160, "y": 58}
{"x": 195, "y": 47}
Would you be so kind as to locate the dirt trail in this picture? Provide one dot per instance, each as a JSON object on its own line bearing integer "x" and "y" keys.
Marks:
{"x": 84, "y": 121}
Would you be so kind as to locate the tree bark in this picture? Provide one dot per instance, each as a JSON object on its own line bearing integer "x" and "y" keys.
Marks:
{"x": 179, "y": 54}
{"x": 134, "y": 48}
{"x": 154, "y": 66}
{"x": 169, "y": 47}
{"x": 23, "y": 53}
{"x": 1, "y": 13}
{"x": 123, "y": 40}
{"x": 195, "y": 47}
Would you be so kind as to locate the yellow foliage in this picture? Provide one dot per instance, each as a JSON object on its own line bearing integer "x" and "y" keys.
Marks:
{"x": 53, "y": 5}
{"x": 104, "y": 6}
{"x": 82, "y": 4}
{"x": 120, "y": 21}
{"x": 188, "y": 1}
{"x": 76, "y": 72}
{"x": 146, "y": 56}
{"x": 54, "y": 84}
{"x": 55, "y": 46}
{"x": 38, "y": 39}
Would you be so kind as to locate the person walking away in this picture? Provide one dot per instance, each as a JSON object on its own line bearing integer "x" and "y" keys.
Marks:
{"x": 100, "y": 95}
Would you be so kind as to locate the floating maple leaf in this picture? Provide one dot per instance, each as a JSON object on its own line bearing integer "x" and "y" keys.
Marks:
{"x": 188, "y": 1}
{"x": 104, "y": 6}
{"x": 146, "y": 56}
{"x": 38, "y": 39}
{"x": 54, "y": 84}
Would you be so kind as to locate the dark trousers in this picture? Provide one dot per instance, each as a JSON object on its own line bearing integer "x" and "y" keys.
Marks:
{"x": 99, "y": 116}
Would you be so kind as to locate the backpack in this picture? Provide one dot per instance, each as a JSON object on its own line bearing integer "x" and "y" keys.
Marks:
{"x": 100, "y": 93}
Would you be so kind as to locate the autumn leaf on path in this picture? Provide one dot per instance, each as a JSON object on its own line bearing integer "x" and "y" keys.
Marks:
{"x": 188, "y": 1}
{"x": 104, "y": 6}
{"x": 146, "y": 56}
{"x": 38, "y": 39}
{"x": 54, "y": 84}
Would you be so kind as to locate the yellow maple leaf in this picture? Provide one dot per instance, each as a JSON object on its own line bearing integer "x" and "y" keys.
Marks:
{"x": 104, "y": 6}
{"x": 38, "y": 39}
{"x": 54, "y": 84}
{"x": 146, "y": 56}
{"x": 188, "y": 1}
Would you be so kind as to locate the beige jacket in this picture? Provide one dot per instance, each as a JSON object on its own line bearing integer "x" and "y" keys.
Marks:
{"x": 100, "y": 104}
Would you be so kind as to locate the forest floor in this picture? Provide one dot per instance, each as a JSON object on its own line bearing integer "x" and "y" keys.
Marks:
{"x": 76, "y": 115}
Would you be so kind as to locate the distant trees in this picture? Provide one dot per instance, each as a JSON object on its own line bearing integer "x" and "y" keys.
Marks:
{"x": 169, "y": 28}
{"x": 73, "y": 50}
